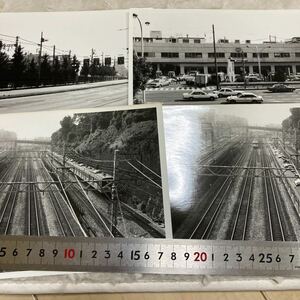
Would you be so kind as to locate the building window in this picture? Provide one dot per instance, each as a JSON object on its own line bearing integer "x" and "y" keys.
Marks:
{"x": 148, "y": 40}
{"x": 171, "y": 40}
{"x": 169, "y": 54}
{"x": 146, "y": 54}
{"x": 218, "y": 54}
{"x": 297, "y": 54}
{"x": 281, "y": 54}
{"x": 197, "y": 41}
{"x": 238, "y": 54}
{"x": 193, "y": 55}
{"x": 261, "y": 55}
{"x": 186, "y": 41}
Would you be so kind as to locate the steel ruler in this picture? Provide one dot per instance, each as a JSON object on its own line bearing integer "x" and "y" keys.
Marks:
{"x": 167, "y": 256}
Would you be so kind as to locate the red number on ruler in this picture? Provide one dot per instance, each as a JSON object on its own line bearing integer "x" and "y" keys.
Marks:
{"x": 200, "y": 256}
{"x": 69, "y": 253}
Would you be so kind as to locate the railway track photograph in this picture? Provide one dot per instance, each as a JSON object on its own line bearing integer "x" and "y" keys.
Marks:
{"x": 235, "y": 172}
{"x": 90, "y": 174}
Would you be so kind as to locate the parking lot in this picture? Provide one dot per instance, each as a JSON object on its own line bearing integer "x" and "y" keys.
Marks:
{"x": 173, "y": 94}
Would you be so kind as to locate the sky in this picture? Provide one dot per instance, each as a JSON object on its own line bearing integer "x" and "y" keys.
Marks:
{"x": 105, "y": 31}
{"x": 255, "y": 25}
{"x": 255, "y": 114}
{"x": 33, "y": 125}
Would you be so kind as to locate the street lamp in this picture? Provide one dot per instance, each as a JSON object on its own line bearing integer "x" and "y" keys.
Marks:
{"x": 142, "y": 44}
{"x": 142, "y": 37}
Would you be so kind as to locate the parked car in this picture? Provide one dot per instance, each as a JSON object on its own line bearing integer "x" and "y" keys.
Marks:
{"x": 245, "y": 97}
{"x": 226, "y": 92}
{"x": 156, "y": 83}
{"x": 199, "y": 95}
{"x": 280, "y": 88}
{"x": 253, "y": 78}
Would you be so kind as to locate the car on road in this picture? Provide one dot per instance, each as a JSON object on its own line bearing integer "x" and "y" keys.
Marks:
{"x": 280, "y": 88}
{"x": 245, "y": 97}
{"x": 199, "y": 95}
{"x": 157, "y": 83}
{"x": 226, "y": 92}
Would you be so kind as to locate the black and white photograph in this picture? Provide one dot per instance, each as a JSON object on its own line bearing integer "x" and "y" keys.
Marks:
{"x": 215, "y": 56}
{"x": 234, "y": 171}
{"x": 90, "y": 174}
{"x": 63, "y": 60}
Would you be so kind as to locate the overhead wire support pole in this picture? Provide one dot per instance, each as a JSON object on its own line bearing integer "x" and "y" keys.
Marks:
{"x": 114, "y": 198}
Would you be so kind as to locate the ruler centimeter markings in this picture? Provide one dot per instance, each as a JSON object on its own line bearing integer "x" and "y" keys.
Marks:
{"x": 164, "y": 256}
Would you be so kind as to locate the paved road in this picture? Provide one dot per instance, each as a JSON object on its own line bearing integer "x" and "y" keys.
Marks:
{"x": 173, "y": 95}
{"x": 96, "y": 96}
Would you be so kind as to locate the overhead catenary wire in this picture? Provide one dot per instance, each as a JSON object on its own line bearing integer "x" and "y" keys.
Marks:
{"x": 144, "y": 174}
{"x": 148, "y": 168}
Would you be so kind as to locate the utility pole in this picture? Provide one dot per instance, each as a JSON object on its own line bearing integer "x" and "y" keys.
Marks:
{"x": 114, "y": 198}
{"x": 215, "y": 56}
{"x": 102, "y": 59}
{"x": 17, "y": 42}
{"x": 92, "y": 56}
{"x": 53, "y": 55}
{"x": 40, "y": 56}
{"x": 70, "y": 53}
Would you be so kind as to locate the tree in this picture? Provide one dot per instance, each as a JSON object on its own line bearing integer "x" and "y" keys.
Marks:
{"x": 67, "y": 126}
{"x": 94, "y": 70}
{"x": 4, "y": 67}
{"x": 18, "y": 67}
{"x": 75, "y": 68}
{"x": 85, "y": 71}
{"x": 31, "y": 73}
{"x": 107, "y": 71}
{"x": 56, "y": 71}
{"x": 280, "y": 75}
{"x": 141, "y": 73}
{"x": 66, "y": 69}
{"x": 45, "y": 70}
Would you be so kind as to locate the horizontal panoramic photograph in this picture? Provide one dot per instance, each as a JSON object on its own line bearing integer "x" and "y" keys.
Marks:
{"x": 234, "y": 172}
{"x": 91, "y": 174}
{"x": 63, "y": 60}
{"x": 209, "y": 60}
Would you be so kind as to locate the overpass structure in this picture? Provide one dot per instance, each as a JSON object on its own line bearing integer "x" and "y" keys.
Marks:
{"x": 24, "y": 141}
{"x": 265, "y": 128}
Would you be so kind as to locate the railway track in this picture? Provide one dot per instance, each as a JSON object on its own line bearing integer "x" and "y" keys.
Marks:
{"x": 8, "y": 205}
{"x": 222, "y": 147}
{"x": 274, "y": 223}
{"x": 86, "y": 206}
{"x": 240, "y": 225}
{"x": 62, "y": 220}
{"x": 33, "y": 223}
{"x": 290, "y": 226}
{"x": 87, "y": 211}
{"x": 206, "y": 225}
